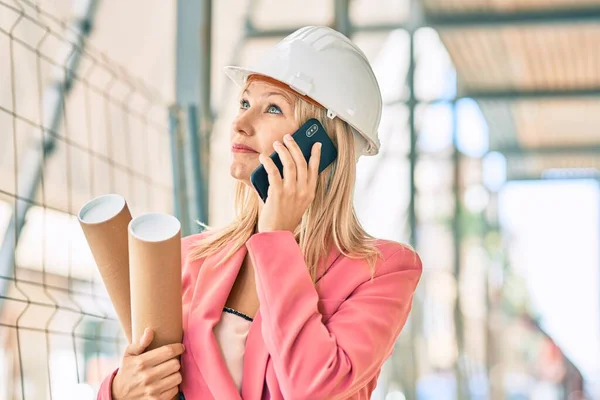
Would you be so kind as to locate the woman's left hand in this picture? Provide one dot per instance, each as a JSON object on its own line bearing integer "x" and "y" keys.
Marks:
{"x": 289, "y": 197}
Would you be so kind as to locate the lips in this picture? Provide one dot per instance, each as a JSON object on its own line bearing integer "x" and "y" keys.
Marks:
{"x": 241, "y": 148}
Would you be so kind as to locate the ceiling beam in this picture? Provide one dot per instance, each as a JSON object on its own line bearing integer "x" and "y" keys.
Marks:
{"x": 461, "y": 20}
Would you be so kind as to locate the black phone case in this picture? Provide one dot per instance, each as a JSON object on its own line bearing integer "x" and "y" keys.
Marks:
{"x": 308, "y": 134}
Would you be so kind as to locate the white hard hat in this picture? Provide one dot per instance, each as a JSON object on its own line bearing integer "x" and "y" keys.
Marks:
{"x": 326, "y": 66}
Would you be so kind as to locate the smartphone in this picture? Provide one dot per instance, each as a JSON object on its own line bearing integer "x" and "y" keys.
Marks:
{"x": 306, "y": 136}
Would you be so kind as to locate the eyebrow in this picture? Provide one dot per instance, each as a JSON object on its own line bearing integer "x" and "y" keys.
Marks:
{"x": 284, "y": 95}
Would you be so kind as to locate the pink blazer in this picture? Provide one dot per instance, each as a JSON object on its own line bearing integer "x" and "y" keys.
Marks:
{"x": 323, "y": 341}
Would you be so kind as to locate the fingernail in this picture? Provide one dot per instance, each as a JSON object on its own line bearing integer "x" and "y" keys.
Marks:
{"x": 182, "y": 345}
{"x": 277, "y": 143}
{"x": 288, "y": 138}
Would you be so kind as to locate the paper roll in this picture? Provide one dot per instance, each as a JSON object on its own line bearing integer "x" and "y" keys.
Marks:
{"x": 104, "y": 221}
{"x": 155, "y": 276}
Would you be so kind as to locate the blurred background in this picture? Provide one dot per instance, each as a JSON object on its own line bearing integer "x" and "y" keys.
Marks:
{"x": 489, "y": 168}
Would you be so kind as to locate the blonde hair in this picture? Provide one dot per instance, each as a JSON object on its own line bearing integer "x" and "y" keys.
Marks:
{"x": 329, "y": 221}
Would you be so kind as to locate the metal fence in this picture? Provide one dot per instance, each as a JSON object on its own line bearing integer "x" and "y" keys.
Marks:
{"x": 73, "y": 125}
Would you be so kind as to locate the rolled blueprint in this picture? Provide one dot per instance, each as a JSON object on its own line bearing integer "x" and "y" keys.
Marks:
{"x": 155, "y": 276}
{"x": 104, "y": 221}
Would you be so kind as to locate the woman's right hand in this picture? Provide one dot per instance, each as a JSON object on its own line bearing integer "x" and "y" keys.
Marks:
{"x": 153, "y": 375}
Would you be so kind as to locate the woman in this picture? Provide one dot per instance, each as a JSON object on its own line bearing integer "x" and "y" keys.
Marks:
{"x": 292, "y": 300}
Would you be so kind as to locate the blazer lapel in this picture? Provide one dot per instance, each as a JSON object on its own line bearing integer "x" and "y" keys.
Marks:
{"x": 331, "y": 258}
{"x": 210, "y": 295}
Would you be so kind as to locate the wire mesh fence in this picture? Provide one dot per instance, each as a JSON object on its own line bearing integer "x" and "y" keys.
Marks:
{"x": 73, "y": 125}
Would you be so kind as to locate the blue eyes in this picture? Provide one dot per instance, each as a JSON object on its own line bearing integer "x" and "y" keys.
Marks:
{"x": 271, "y": 109}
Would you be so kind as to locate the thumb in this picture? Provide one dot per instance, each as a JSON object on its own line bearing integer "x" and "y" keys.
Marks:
{"x": 137, "y": 348}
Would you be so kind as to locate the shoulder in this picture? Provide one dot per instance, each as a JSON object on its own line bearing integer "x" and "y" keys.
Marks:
{"x": 393, "y": 259}
{"x": 394, "y": 274}
{"x": 396, "y": 263}
{"x": 396, "y": 256}
{"x": 190, "y": 267}
{"x": 189, "y": 242}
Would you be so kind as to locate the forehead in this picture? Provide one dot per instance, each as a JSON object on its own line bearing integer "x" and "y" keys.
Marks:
{"x": 259, "y": 87}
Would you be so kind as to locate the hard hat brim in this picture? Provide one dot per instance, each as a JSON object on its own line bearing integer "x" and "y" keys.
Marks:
{"x": 239, "y": 75}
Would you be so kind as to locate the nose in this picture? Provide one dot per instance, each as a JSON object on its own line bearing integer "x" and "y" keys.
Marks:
{"x": 243, "y": 125}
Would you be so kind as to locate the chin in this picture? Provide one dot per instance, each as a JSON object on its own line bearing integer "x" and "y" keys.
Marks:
{"x": 241, "y": 172}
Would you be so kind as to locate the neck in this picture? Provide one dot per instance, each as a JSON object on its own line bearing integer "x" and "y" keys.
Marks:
{"x": 260, "y": 206}
{"x": 259, "y": 211}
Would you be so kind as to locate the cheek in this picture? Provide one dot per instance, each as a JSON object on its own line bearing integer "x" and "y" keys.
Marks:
{"x": 275, "y": 130}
